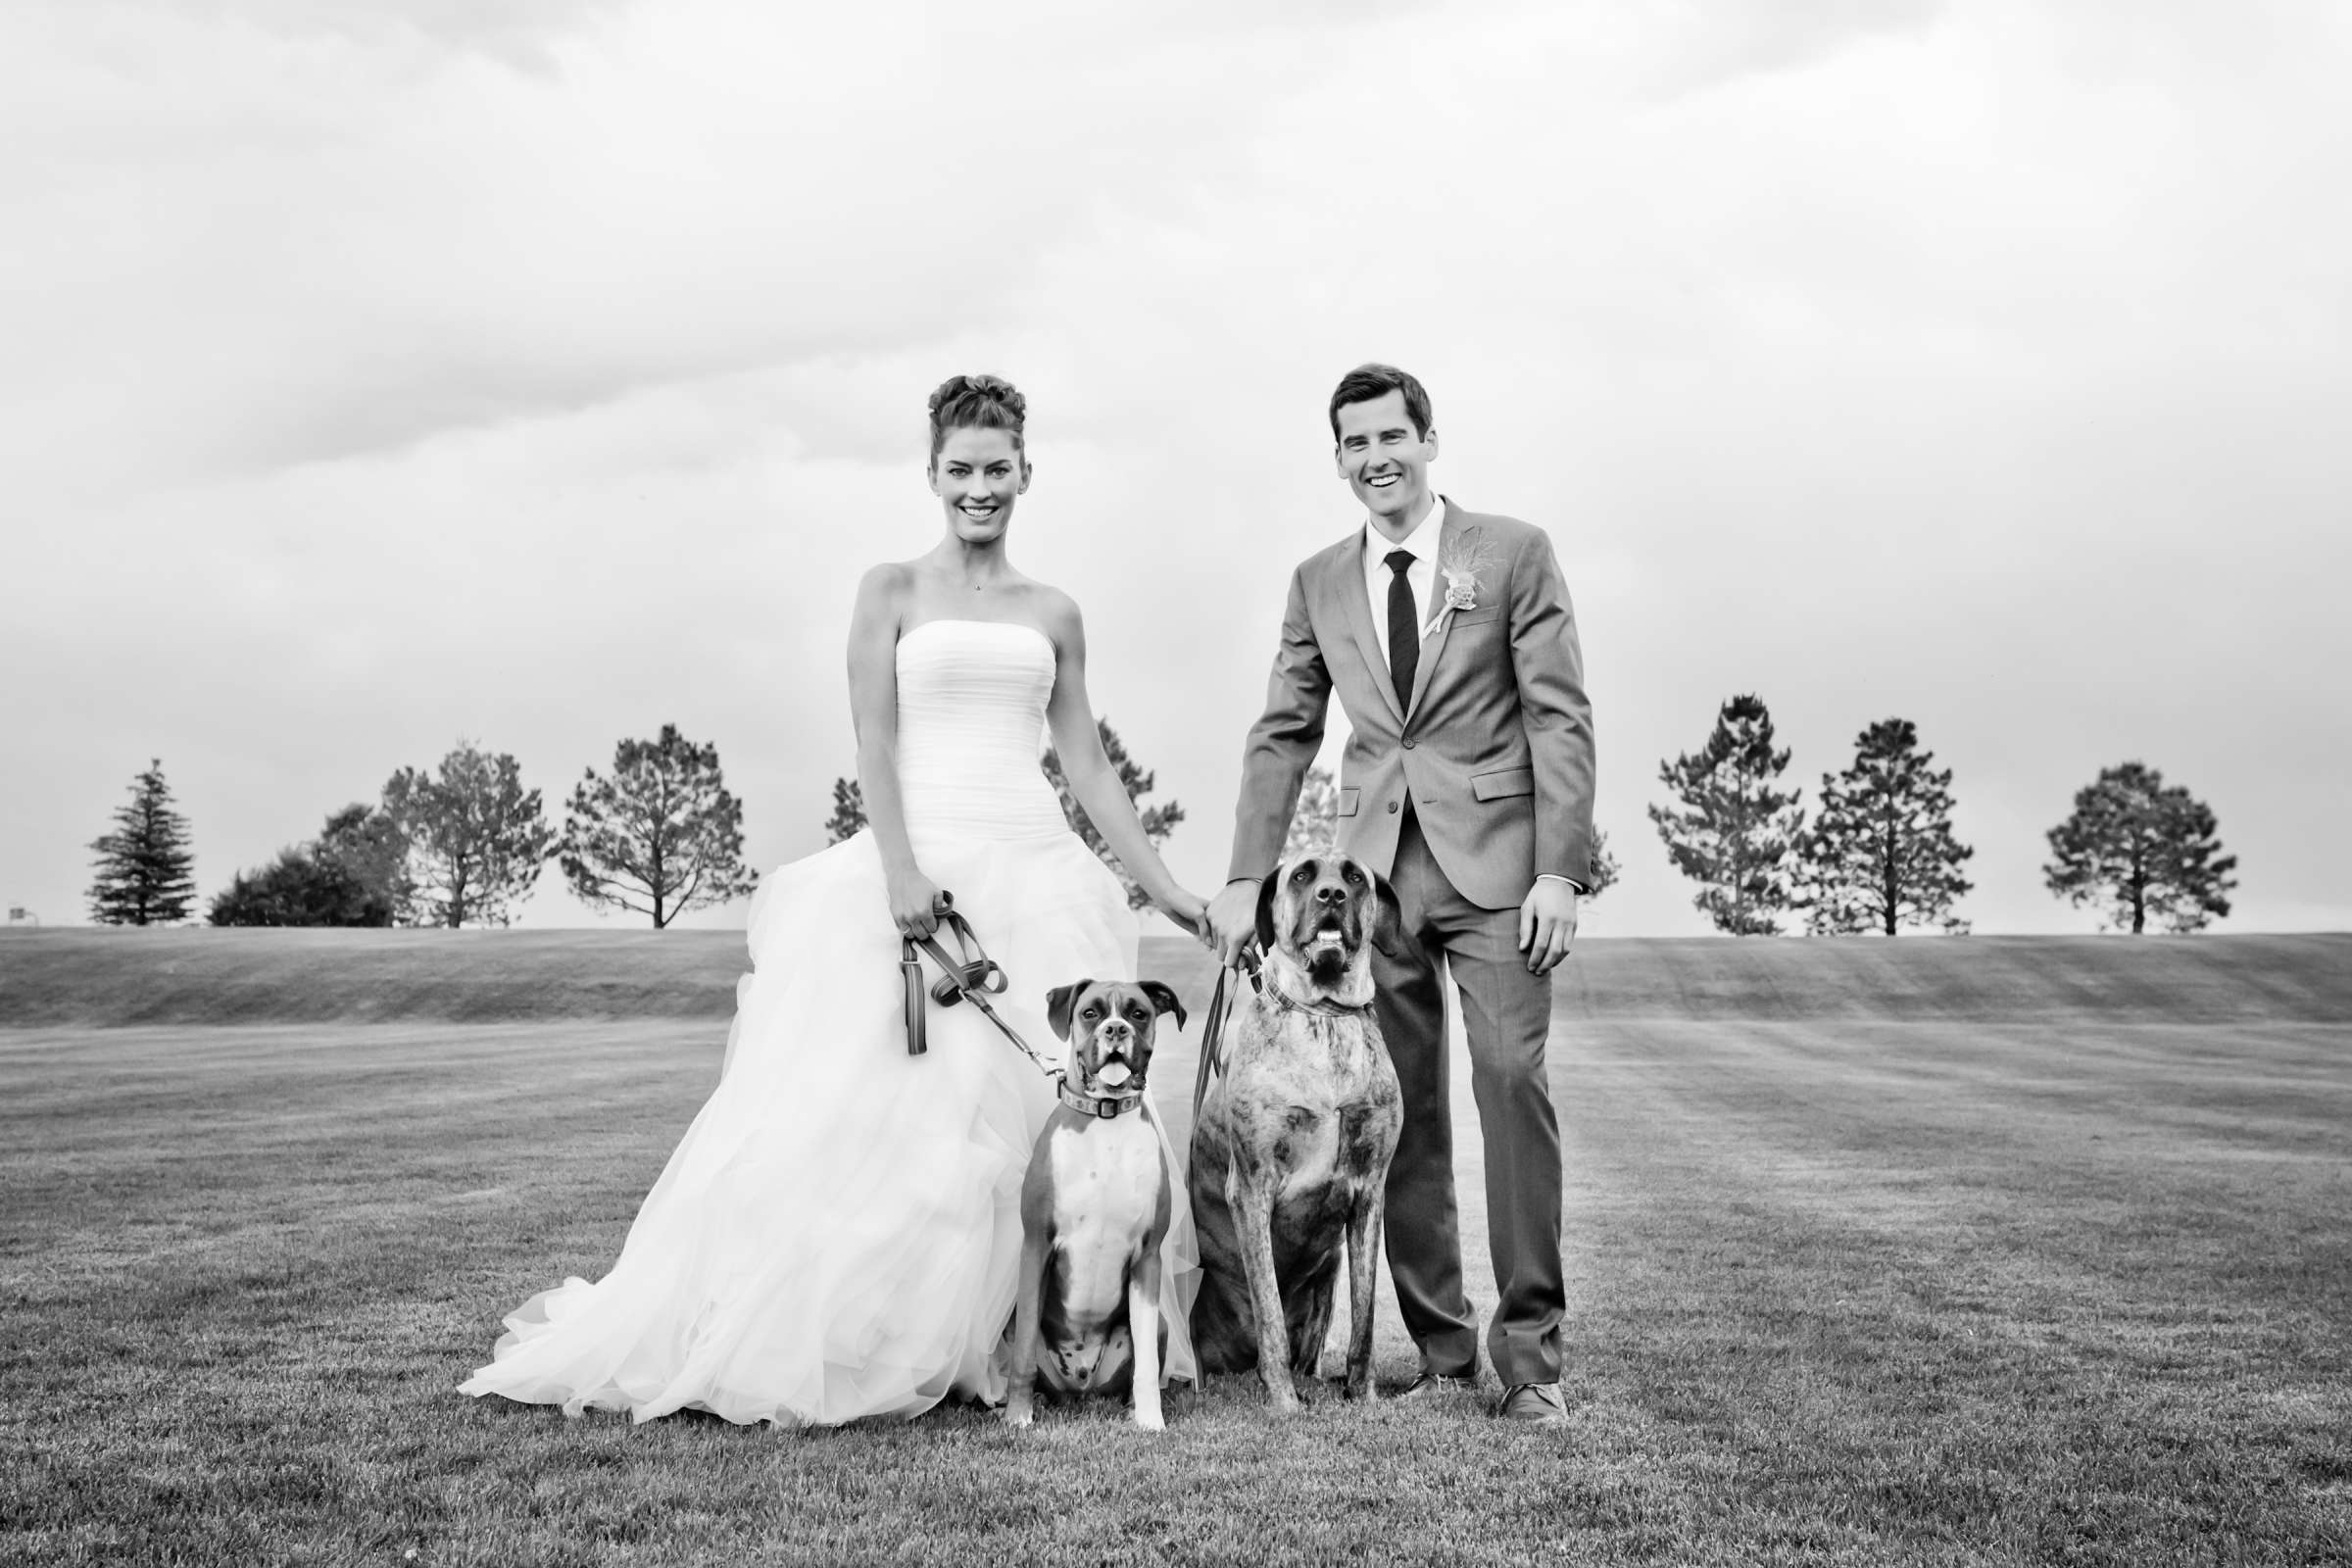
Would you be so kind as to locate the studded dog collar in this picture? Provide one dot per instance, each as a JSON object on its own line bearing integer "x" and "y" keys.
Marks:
{"x": 1101, "y": 1108}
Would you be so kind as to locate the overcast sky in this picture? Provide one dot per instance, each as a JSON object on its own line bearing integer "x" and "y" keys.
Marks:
{"x": 377, "y": 373}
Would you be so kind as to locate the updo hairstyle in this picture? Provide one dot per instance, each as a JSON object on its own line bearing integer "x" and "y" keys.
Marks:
{"x": 977, "y": 402}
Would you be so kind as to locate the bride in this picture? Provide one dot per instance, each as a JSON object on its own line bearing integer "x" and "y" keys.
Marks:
{"x": 836, "y": 1234}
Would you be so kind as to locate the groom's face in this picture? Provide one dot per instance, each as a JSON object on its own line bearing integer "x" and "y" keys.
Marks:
{"x": 1384, "y": 459}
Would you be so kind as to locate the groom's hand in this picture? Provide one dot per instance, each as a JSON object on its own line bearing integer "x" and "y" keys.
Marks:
{"x": 1547, "y": 923}
{"x": 1233, "y": 919}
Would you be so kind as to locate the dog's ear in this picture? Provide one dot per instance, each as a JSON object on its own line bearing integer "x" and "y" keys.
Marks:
{"x": 1058, "y": 1002}
{"x": 1387, "y": 920}
{"x": 1164, "y": 999}
{"x": 1265, "y": 909}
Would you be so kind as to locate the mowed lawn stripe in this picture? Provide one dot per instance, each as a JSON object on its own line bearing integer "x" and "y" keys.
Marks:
{"x": 1842, "y": 1290}
{"x": 2025, "y": 1315}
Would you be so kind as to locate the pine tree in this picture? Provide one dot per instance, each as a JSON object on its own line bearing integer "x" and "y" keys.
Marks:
{"x": 1159, "y": 820}
{"x": 1735, "y": 834}
{"x": 477, "y": 840}
{"x": 1882, "y": 854}
{"x": 145, "y": 867}
{"x": 2140, "y": 851}
{"x": 662, "y": 836}
{"x": 849, "y": 810}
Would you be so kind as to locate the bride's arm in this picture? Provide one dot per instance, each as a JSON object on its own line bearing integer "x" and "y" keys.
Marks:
{"x": 875, "y": 711}
{"x": 1094, "y": 780}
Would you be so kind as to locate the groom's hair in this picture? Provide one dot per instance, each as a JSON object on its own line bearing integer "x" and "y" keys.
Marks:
{"x": 1368, "y": 383}
{"x": 977, "y": 402}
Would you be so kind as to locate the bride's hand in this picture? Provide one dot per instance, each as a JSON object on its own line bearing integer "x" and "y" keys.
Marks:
{"x": 914, "y": 902}
{"x": 1187, "y": 911}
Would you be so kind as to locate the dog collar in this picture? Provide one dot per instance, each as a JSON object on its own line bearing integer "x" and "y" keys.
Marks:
{"x": 1101, "y": 1108}
{"x": 1314, "y": 1010}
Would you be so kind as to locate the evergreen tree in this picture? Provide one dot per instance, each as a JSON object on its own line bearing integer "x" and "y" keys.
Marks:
{"x": 1735, "y": 834}
{"x": 146, "y": 871}
{"x": 1882, "y": 854}
{"x": 353, "y": 875}
{"x": 1159, "y": 820}
{"x": 660, "y": 836}
{"x": 849, "y": 810}
{"x": 2138, "y": 851}
{"x": 477, "y": 839}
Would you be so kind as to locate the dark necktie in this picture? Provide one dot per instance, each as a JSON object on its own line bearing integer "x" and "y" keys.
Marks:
{"x": 1405, "y": 628}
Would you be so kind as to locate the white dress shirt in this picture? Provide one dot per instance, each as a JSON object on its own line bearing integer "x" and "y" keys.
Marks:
{"x": 1422, "y": 577}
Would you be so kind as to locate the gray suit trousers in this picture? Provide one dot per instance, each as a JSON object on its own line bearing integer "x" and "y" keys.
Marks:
{"x": 1507, "y": 1013}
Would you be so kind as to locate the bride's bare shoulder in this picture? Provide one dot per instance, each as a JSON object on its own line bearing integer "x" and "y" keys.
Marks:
{"x": 1058, "y": 613}
{"x": 885, "y": 594}
{"x": 888, "y": 585}
{"x": 889, "y": 576}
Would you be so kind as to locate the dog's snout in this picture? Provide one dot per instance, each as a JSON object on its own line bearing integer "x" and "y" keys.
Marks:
{"x": 1331, "y": 892}
{"x": 1118, "y": 1029}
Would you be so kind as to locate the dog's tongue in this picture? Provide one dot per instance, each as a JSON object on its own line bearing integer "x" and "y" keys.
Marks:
{"x": 1114, "y": 1075}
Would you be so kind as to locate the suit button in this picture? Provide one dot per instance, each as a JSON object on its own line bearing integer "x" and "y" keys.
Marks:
{"x": 1391, "y": 808}
{"x": 1408, "y": 743}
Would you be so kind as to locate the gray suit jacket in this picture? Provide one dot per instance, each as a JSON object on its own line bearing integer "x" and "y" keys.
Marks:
{"x": 1495, "y": 750}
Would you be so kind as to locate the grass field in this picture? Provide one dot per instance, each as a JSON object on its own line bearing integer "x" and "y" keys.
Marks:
{"x": 1934, "y": 1251}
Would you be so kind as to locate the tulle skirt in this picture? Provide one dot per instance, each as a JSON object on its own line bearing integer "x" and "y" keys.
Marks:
{"x": 836, "y": 1236}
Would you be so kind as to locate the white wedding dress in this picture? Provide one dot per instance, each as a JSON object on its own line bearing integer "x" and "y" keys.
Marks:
{"x": 836, "y": 1236}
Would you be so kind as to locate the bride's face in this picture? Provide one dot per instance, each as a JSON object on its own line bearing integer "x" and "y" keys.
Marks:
{"x": 977, "y": 476}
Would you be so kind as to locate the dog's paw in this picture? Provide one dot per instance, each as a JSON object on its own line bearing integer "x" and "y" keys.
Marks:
{"x": 1019, "y": 1415}
{"x": 1148, "y": 1421}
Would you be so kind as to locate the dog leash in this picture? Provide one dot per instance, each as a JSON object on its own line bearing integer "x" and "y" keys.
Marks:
{"x": 1213, "y": 1030}
{"x": 971, "y": 976}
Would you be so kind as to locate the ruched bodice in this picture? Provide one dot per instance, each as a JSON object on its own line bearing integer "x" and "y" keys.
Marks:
{"x": 972, "y": 700}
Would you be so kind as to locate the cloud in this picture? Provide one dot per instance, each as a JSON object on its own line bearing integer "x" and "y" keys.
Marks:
{"x": 379, "y": 377}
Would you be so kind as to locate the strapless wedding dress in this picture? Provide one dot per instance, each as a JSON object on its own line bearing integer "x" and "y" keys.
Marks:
{"x": 836, "y": 1236}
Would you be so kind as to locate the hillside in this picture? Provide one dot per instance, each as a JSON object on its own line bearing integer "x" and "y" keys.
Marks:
{"x": 110, "y": 978}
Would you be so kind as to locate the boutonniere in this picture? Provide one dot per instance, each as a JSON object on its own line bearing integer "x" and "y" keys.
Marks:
{"x": 1459, "y": 565}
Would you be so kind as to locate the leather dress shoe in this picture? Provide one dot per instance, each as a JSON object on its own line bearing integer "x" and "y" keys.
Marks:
{"x": 1541, "y": 1403}
{"x": 1432, "y": 1385}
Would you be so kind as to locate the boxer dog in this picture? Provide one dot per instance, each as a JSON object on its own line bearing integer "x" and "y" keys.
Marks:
{"x": 1095, "y": 1208}
{"x": 1292, "y": 1145}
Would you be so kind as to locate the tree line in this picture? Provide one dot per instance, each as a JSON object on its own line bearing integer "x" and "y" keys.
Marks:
{"x": 460, "y": 844}
{"x": 1878, "y": 853}
{"x": 661, "y": 834}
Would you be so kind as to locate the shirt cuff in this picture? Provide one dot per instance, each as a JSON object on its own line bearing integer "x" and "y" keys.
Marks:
{"x": 1576, "y": 886}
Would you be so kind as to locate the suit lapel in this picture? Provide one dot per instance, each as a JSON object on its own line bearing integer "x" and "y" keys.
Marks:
{"x": 1354, "y": 600}
{"x": 1454, "y": 543}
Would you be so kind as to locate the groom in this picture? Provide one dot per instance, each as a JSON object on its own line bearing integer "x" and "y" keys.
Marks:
{"x": 1468, "y": 784}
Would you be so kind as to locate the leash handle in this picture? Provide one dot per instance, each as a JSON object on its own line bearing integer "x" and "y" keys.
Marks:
{"x": 911, "y": 979}
{"x": 970, "y": 975}
{"x": 911, "y": 975}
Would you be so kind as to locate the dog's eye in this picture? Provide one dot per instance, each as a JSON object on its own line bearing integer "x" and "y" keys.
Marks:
{"x": 1355, "y": 876}
{"x": 1091, "y": 1012}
